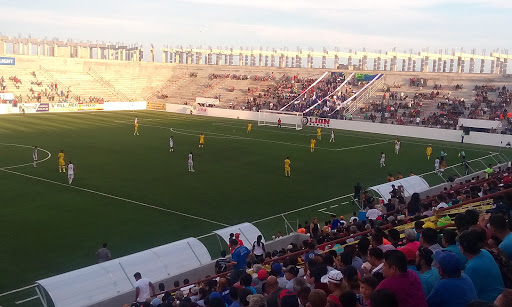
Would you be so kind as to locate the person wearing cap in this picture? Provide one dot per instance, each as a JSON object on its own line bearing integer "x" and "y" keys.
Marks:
{"x": 277, "y": 270}
{"x": 237, "y": 237}
{"x": 336, "y": 285}
{"x": 288, "y": 298}
{"x": 428, "y": 275}
{"x": 404, "y": 283}
{"x": 500, "y": 229}
{"x": 449, "y": 243}
{"x": 262, "y": 277}
{"x": 290, "y": 273}
{"x": 481, "y": 267}
{"x": 454, "y": 289}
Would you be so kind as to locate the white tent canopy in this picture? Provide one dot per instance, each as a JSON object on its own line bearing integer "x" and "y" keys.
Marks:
{"x": 411, "y": 185}
{"x": 479, "y": 123}
{"x": 99, "y": 282}
{"x": 248, "y": 233}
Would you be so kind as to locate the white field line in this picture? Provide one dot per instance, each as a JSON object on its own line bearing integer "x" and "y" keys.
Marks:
{"x": 117, "y": 197}
{"x": 32, "y": 163}
{"x": 350, "y": 135}
{"x": 226, "y": 136}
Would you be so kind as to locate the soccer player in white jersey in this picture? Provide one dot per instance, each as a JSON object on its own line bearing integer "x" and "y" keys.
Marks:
{"x": 436, "y": 165}
{"x": 382, "y": 159}
{"x": 190, "y": 162}
{"x": 332, "y": 137}
{"x": 71, "y": 172}
{"x": 34, "y": 155}
{"x": 397, "y": 146}
{"x": 171, "y": 144}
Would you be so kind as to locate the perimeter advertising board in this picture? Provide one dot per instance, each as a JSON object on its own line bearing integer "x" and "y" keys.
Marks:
{"x": 155, "y": 106}
{"x": 63, "y": 107}
{"x": 316, "y": 121}
{"x": 7, "y": 61}
{"x": 90, "y": 106}
{"x": 34, "y": 107}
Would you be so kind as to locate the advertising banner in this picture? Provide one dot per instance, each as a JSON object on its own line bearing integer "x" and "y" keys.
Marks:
{"x": 7, "y": 61}
{"x": 63, "y": 107}
{"x": 155, "y": 106}
{"x": 316, "y": 121}
{"x": 90, "y": 106}
{"x": 34, "y": 107}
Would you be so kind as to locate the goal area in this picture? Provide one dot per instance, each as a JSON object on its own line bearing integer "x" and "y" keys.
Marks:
{"x": 288, "y": 119}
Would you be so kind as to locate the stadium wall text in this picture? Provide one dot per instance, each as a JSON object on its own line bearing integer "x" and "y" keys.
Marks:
{"x": 45, "y": 107}
{"x": 361, "y": 126}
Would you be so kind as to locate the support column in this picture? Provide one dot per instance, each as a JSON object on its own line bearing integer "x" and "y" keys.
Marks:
{"x": 310, "y": 61}
{"x": 404, "y": 64}
{"x": 273, "y": 60}
{"x": 15, "y": 46}
{"x": 336, "y": 61}
{"x": 504, "y": 66}
{"x": 472, "y": 65}
{"x": 493, "y": 67}
{"x": 324, "y": 62}
{"x": 445, "y": 65}
{"x": 393, "y": 63}
{"x": 409, "y": 64}
{"x": 266, "y": 61}
{"x": 379, "y": 63}
{"x": 260, "y": 60}
{"x": 385, "y": 64}
{"x": 452, "y": 65}
{"x": 482, "y": 66}
{"x": 281, "y": 61}
{"x": 349, "y": 63}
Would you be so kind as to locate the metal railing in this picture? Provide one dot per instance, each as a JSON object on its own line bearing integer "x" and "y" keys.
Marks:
{"x": 365, "y": 95}
{"x": 108, "y": 85}
{"x": 59, "y": 83}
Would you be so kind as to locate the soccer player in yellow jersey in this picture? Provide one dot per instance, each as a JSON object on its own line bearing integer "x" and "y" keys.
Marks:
{"x": 429, "y": 151}
{"x": 287, "y": 170}
{"x": 249, "y": 127}
{"x": 136, "y": 126}
{"x": 201, "y": 140}
{"x": 312, "y": 144}
{"x": 62, "y": 164}
{"x": 319, "y": 133}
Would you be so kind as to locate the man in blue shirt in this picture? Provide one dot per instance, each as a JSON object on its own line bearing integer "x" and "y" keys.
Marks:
{"x": 238, "y": 260}
{"x": 500, "y": 229}
{"x": 335, "y": 222}
{"x": 450, "y": 243}
{"x": 428, "y": 275}
{"x": 481, "y": 267}
{"x": 454, "y": 289}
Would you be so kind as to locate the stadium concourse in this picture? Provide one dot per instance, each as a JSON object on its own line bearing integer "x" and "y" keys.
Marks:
{"x": 450, "y": 249}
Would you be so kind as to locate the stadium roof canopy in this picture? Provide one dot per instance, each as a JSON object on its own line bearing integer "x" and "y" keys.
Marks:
{"x": 99, "y": 282}
{"x": 411, "y": 185}
{"x": 248, "y": 233}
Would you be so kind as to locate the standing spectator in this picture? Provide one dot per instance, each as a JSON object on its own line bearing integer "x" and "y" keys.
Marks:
{"x": 373, "y": 213}
{"x": 103, "y": 254}
{"x": 413, "y": 206}
{"x": 221, "y": 265}
{"x": 142, "y": 288}
{"x": 258, "y": 249}
{"x": 237, "y": 237}
{"x": 335, "y": 222}
{"x": 314, "y": 228}
{"x": 481, "y": 267}
{"x": 500, "y": 229}
{"x": 450, "y": 244}
{"x": 357, "y": 193}
{"x": 454, "y": 289}
{"x": 404, "y": 283}
{"x": 429, "y": 276}
{"x": 238, "y": 260}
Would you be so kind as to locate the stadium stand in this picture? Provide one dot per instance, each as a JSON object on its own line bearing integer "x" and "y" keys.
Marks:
{"x": 354, "y": 259}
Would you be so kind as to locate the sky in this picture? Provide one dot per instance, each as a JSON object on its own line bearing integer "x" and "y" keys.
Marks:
{"x": 372, "y": 24}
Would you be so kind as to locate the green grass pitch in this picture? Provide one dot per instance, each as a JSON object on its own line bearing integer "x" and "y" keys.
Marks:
{"x": 131, "y": 192}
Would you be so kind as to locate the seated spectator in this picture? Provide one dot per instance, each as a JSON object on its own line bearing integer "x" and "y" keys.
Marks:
{"x": 256, "y": 300}
{"x": 429, "y": 239}
{"x": 223, "y": 289}
{"x": 454, "y": 289}
{"x": 245, "y": 281}
{"x": 411, "y": 245}
{"x": 384, "y": 298}
{"x": 429, "y": 276}
{"x": 221, "y": 265}
{"x": 233, "y": 295}
{"x": 272, "y": 291}
{"x": 376, "y": 261}
{"x": 337, "y": 285}
{"x": 366, "y": 288}
{"x": 288, "y": 298}
{"x": 504, "y": 299}
{"x": 500, "y": 229}
{"x": 481, "y": 267}
{"x": 317, "y": 298}
{"x": 348, "y": 299}
{"x": 404, "y": 283}
{"x": 291, "y": 273}
{"x": 277, "y": 271}
{"x": 378, "y": 241}
{"x": 449, "y": 242}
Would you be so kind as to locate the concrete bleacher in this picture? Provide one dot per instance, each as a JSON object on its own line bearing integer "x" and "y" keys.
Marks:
{"x": 25, "y": 75}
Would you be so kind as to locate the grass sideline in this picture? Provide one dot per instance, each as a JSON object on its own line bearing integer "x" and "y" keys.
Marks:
{"x": 131, "y": 192}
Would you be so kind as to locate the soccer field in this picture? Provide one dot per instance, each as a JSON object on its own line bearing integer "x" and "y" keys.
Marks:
{"x": 131, "y": 192}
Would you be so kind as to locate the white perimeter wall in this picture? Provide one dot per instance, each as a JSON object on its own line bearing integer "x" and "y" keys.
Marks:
{"x": 362, "y": 126}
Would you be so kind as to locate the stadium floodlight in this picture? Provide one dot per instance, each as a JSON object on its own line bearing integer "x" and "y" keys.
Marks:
{"x": 288, "y": 119}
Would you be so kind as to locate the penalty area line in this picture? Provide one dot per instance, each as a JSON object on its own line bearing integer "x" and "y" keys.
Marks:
{"x": 116, "y": 197}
